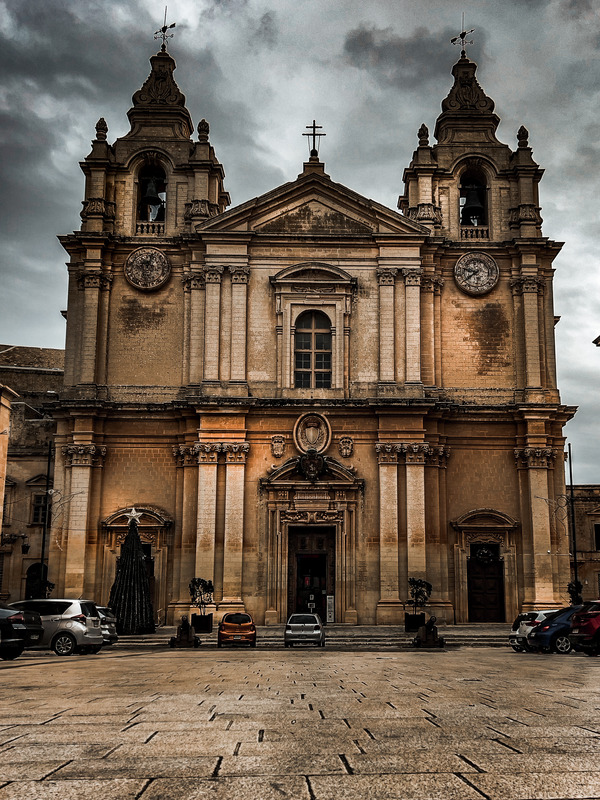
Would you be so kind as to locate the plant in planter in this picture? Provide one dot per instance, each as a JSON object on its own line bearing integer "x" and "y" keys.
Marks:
{"x": 201, "y": 594}
{"x": 419, "y": 590}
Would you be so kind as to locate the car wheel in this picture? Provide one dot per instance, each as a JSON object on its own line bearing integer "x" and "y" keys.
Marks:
{"x": 517, "y": 648}
{"x": 64, "y": 644}
{"x": 562, "y": 645}
{"x": 10, "y": 653}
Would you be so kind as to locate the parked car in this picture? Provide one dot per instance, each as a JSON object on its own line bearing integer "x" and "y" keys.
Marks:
{"x": 236, "y": 628}
{"x": 304, "y": 629}
{"x": 585, "y": 629}
{"x": 551, "y": 635}
{"x": 108, "y": 623}
{"x": 18, "y": 630}
{"x": 70, "y": 626}
{"x": 523, "y": 625}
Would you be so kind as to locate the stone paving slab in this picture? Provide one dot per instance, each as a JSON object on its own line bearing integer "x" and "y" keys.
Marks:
{"x": 315, "y": 725}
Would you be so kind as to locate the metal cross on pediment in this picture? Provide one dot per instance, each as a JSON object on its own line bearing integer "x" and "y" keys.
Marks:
{"x": 462, "y": 37}
{"x": 161, "y": 33}
{"x": 314, "y": 150}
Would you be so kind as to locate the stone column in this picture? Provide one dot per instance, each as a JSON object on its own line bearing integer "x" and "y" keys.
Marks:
{"x": 212, "y": 322}
{"x": 412, "y": 280}
{"x": 239, "y": 290}
{"x": 386, "y": 277}
{"x": 537, "y": 536}
{"x": 389, "y": 609}
{"x": 235, "y": 458}
{"x": 80, "y": 458}
{"x": 207, "y": 454}
{"x": 195, "y": 285}
{"x": 89, "y": 283}
{"x": 104, "y": 298}
{"x": 415, "y": 454}
{"x": 428, "y": 286}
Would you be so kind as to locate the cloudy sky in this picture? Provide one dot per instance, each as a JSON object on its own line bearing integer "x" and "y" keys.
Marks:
{"x": 369, "y": 71}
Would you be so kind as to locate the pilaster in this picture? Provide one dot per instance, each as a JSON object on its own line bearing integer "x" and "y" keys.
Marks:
{"x": 79, "y": 459}
{"x": 212, "y": 323}
{"x": 239, "y": 290}
{"x": 386, "y": 278}
{"x": 389, "y": 608}
{"x": 412, "y": 281}
{"x": 207, "y": 454}
{"x": 536, "y": 462}
{"x": 235, "y": 459}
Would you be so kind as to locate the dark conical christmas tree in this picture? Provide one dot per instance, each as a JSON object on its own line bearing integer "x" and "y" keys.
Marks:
{"x": 130, "y": 593}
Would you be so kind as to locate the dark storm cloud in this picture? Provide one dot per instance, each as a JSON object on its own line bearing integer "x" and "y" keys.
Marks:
{"x": 400, "y": 61}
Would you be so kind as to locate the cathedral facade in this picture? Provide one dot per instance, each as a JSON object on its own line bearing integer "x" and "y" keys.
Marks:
{"x": 310, "y": 397}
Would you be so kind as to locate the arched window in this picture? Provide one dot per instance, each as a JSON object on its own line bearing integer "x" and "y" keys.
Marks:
{"x": 473, "y": 198}
{"x": 152, "y": 193}
{"x": 312, "y": 351}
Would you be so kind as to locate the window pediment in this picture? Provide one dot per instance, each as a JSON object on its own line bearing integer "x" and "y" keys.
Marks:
{"x": 314, "y": 274}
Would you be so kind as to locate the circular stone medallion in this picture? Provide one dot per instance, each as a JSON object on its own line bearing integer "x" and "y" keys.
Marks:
{"x": 312, "y": 432}
{"x": 476, "y": 273}
{"x": 147, "y": 268}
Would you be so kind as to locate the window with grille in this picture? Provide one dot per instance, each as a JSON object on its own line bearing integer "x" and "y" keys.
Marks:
{"x": 312, "y": 351}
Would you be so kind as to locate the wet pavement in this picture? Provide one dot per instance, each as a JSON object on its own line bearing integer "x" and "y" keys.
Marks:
{"x": 307, "y": 724}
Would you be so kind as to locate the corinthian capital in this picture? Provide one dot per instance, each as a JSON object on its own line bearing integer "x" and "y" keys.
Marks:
{"x": 84, "y": 455}
{"x": 207, "y": 452}
{"x": 387, "y": 452}
{"x": 235, "y": 452}
{"x": 239, "y": 274}
{"x": 386, "y": 276}
{"x": 212, "y": 274}
{"x": 535, "y": 457}
{"x": 412, "y": 277}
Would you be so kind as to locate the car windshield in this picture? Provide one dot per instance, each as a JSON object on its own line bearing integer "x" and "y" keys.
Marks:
{"x": 303, "y": 619}
{"x": 237, "y": 619}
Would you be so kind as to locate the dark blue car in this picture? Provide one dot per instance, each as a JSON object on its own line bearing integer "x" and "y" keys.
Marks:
{"x": 552, "y": 634}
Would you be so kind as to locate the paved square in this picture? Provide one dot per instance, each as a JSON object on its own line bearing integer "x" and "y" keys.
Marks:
{"x": 304, "y": 724}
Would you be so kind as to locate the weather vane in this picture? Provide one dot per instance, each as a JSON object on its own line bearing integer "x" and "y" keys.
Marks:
{"x": 161, "y": 33}
{"x": 462, "y": 37}
{"x": 314, "y": 150}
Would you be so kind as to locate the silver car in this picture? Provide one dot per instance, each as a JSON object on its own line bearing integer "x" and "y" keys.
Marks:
{"x": 304, "y": 629}
{"x": 108, "y": 623}
{"x": 70, "y": 626}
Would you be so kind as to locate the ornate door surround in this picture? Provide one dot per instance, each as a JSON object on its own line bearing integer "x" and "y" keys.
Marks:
{"x": 291, "y": 500}
{"x": 480, "y": 526}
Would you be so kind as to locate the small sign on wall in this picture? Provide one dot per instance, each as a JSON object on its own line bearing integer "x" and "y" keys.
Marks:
{"x": 330, "y": 608}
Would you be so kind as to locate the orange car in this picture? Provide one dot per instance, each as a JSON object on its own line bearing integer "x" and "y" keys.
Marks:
{"x": 236, "y": 628}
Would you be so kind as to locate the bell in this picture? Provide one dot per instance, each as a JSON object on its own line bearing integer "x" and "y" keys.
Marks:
{"x": 151, "y": 197}
{"x": 473, "y": 212}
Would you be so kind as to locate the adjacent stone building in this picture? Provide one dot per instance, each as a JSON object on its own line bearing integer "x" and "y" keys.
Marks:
{"x": 587, "y": 536}
{"x": 311, "y": 397}
{"x": 36, "y": 376}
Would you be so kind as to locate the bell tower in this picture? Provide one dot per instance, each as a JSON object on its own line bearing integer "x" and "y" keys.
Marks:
{"x": 144, "y": 195}
{"x": 470, "y": 186}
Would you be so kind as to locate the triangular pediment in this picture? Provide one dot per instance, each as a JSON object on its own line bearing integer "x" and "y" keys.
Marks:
{"x": 314, "y": 217}
{"x": 313, "y": 205}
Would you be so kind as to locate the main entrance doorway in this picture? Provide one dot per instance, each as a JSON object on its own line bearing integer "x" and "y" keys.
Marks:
{"x": 311, "y": 568}
{"x": 485, "y": 579}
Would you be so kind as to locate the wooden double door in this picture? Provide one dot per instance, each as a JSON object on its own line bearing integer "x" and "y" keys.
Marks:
{"x": 311, "y": 568}
{"x": 485, "y": 579}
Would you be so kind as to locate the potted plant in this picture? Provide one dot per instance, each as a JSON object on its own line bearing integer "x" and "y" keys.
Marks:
{"x": 419, "y": 595}
{"x": 201, "y": 593}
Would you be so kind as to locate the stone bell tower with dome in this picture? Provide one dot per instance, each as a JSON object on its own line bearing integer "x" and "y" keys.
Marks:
{"x": 310, "y": 397}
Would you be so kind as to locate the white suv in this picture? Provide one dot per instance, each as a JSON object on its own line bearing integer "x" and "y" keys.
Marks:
{"x": 70, "y": 626}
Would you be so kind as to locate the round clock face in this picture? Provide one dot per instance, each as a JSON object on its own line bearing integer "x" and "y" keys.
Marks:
{"x": 476, "y": 273}
{"x": 147, "y": 268}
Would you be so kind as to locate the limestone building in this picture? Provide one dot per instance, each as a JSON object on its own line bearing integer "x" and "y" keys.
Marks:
{"x": 311, "y": 397}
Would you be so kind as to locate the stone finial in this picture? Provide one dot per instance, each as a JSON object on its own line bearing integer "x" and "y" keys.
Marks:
{"x": 203, "y": 130}
{"x": 523, "y": 136}
{"x": 467, "y": 94}
{"x": 101, "y": 130}
{"x": 423, "y": 134}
